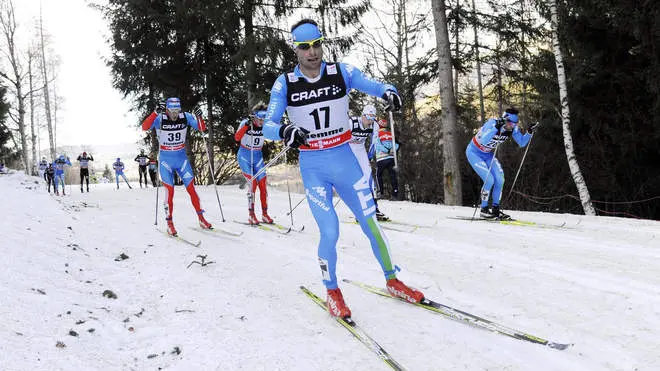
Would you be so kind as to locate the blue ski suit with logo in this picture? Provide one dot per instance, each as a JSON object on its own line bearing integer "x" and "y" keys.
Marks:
{"x": 320, "y": 106}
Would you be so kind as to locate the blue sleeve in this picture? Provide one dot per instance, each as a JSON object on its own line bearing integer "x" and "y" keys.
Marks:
{"x": 355, "y": 79}
{"x": 157, "y": 121}
{"x": 487, "y": 132}
{"x": 191, "y": 120}
{"x": 276, "y": 108}
{"x": 520, "y": 138}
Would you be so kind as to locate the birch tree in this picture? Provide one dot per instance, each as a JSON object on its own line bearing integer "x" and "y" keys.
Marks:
{"x": 448, "y": 118}
{"x": 580, "y": 183}
{"x": 44, "y": 72}
{"x": 16, "y": 76}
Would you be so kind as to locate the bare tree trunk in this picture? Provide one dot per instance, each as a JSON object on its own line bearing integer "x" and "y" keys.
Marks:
{"x": 35, "y": 158}
{"x": 573, "y": 165}
{"x": 9, "y": 26}
{"x": 451, "y": 172}
{"x": 44, "y": 71}
{"x": 250, "y": 64}
{"x": 210, "y": 91}
{"x": 482, "y": 110}
{"x": 457, "y": 51}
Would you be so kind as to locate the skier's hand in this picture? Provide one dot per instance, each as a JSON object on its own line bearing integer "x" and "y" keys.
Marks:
{"x": 160, "y": 108}
{"x": 198, "y": 112}
{"x": 293, "y": 135}
{"x": 533, "y": 127}
{"x": 393, "y": 101}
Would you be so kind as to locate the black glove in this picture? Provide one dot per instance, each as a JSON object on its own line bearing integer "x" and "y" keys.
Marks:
{"x": 532, "y": 127}
{"x": 393, "y": 101}
{"x": 198, "y": 112}
{"x": 160, "y": 108}
{"x": 293, "y": 135}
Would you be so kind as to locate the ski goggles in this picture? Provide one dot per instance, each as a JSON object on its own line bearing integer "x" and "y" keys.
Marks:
{"x": 370, "y": 116}
{"x": 260, "y": 115}
{"x": 306, "y": 45}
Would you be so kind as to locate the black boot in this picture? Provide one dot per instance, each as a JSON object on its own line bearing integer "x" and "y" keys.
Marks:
{"x": 497, "y": 213}
{"x": 486, "y": 213}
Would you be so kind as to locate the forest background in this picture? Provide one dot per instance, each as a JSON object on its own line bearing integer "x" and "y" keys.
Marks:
{"x": 225, "y": 55}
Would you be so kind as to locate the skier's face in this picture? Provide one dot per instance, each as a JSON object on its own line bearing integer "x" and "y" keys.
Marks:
{"x": 508, "y": 126}
{"x": 368, "y": 120}
{"x": 173, "y": 113}
{"x": 257, "y": 122}
{"x": 310, "y": 54}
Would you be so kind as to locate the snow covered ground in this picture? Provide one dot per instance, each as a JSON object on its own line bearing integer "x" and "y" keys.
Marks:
{"x": 595, "y": 283}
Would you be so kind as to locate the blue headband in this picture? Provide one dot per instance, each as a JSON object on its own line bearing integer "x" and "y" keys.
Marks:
{"x": 511, "y": 117}
{"x": 305, "y": 32}
{"x": 261, "y": 115}
{"x": 173, "y": 103}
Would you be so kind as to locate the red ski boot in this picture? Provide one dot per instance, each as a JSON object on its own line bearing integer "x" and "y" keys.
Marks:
{"x": 336, "y": 305}
{"x": 265, "y": 218}
{"x": 252, "y": 219}
{"x": 202, "y": 222}
{"x": 400, "y": 290}
{"x": 170, "y": 227}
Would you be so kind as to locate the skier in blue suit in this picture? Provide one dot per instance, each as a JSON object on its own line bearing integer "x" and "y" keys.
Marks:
{"x": 315, "y": 96}
{"x": 59, "y": 165}
{"x": 480, "y": 153}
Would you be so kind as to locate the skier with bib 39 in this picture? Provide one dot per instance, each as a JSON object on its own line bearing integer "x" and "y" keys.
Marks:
{"x": 250, "y": 159}
{"x": 480, "y": 153}
{"x": 315, "y": 95}
{"x": 171, "y": 125}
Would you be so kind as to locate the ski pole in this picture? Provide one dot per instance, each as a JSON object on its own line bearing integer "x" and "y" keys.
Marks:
{"x": 271, "y": 162}
{"x": 519, "y": 168}
{"x": 251, "y": 186}
{"x": 157, "y": 188}
{"x": 298, "y": 204}
{"x": 288, "y": 190}
{"x": 217, "y": 196}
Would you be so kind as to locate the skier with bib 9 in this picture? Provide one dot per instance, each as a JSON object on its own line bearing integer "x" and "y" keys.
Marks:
{"x": 250, "y": 159}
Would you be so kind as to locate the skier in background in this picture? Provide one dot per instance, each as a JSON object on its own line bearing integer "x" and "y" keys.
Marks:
{"x": 315, "y": 95}
{"x": 84, "y": 169}
{"x": 385, "y": 158}
{"x": 143, "y": 161}
{"x": 118, "y": 166}
{"x": 43, "y": 165}
{"x": 363, "y": 129}
{"x": 153, "y": 170}
{"x": 250, "y": 159}
{"x": 480, "y": 153}
{"x": 59, "y": 165}
{"x": 50, "y": 177}
{"x": 172, "y": 124}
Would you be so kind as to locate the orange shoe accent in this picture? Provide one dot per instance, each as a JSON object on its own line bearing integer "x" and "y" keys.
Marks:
{"x": 336, "y": 305}
{"x": 203, "y": 223}
{"x": 266, "y": 219}
{"x": 170, "y": 227}
{"x": 400, "y": 290}
{"x": 252, "y": 219}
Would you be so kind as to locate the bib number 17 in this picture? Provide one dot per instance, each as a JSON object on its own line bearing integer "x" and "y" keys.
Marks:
{"x": 317, "y": 119}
